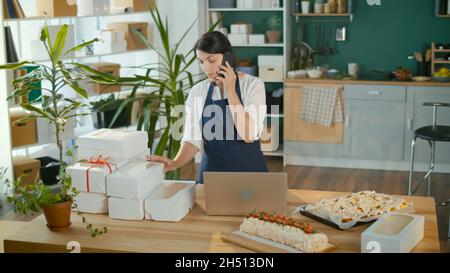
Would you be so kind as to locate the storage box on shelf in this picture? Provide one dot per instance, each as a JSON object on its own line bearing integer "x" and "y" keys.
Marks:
{"x": 133, "y": 40}
{"x": 271, "y": 67}
{"x": 27, "y": 168}
{"x": 136, "y": 5}
{"x": 56, "y": 8}
{"x": 23, "y": 132}
{"x": 96, "y": 88}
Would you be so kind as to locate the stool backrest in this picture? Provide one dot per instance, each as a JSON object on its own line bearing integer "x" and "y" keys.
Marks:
{"x": 435, "y": 106}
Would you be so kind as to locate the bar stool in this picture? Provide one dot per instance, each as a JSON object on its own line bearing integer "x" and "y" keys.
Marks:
{"x": 431, "y": 134}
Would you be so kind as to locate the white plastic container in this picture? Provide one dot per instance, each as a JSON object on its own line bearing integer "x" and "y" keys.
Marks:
{"x": 270, "y": 60}
{"x": 135, "y": 180}
{"x": 270, "y": 73}
{"x": 92, "y": 202}
{"x": 393, "y": 233}
{"x": 171, "y": 201}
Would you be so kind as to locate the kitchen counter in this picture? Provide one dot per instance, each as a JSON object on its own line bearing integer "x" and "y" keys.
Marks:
{"x": 197, "y": 232}
{"x": 366, "y": 81}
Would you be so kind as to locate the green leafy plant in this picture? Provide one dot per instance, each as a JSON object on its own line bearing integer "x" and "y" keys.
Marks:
{"x": 274, "y": 23}
{"x": 166, "y": 91}
{"x": 57, "y": 110}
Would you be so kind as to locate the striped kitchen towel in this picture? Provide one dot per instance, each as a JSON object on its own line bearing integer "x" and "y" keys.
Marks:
{"x": 321, "y": 105}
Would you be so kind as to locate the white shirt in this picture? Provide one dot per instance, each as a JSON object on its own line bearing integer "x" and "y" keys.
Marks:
{"x": 253, "y": 94}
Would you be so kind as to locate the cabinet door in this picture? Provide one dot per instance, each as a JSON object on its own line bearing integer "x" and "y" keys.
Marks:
{"x": 419, "y": 116}
{"x": 374, "y": 129}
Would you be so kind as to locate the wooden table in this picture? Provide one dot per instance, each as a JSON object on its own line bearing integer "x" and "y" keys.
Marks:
{"x": 197, "y": 232}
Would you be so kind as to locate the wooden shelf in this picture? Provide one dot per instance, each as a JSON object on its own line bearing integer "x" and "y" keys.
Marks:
{"x": 322, "y": 15}
{"x": 99, "y": 55}
{"x": 443, "y": 16}
{"x": 442, "y": 62}
{"x": 442, "y": 50}
{"x": 245, "y": 9}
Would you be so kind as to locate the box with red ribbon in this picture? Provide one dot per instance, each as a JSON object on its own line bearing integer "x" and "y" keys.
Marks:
{"x": 90, "y": 175}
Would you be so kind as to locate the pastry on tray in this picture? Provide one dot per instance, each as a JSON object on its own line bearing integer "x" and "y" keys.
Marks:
{"x": 362, "y": 206}
{"x": 284, "y": 230}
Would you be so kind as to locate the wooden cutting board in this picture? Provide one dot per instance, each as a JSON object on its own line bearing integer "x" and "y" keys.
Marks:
{"x": 262, "y": 245}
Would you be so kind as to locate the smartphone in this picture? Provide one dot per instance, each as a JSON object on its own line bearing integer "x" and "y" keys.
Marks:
{"x": 228, "y": 57}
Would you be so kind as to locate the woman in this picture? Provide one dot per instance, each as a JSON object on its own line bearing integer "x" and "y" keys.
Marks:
{"x": 241, "y": 99}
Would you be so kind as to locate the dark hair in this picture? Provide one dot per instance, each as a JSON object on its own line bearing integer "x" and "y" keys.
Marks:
{"x": 214, "y": 42}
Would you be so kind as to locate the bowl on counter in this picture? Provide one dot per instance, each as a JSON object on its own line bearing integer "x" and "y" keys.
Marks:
{"x": 332, "y": 73}
{"x": 314, "y": 74}
{"x": 421, "y": 78}
{"x": 442, "y": 79}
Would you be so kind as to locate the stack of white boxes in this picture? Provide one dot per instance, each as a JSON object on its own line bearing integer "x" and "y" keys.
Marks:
{"x": 239, "y": 34}
{"x": 106, "y": 151}
{"x": 111, "y": 41}
{"x": 122, "y": 183}
{"x": 37, "y": 49}
{"x": 257, "y": 4}
{"x": 270, "y": 68}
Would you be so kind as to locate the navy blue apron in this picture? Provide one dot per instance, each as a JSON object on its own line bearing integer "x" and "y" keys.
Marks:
{"x": 228, "y": 155}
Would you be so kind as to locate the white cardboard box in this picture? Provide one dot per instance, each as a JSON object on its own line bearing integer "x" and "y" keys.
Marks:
{"x": 270, "y": 73}
{"x": 102, "y": 47}
{"x": 270, "y": 60}
{"x": 238, "y": 39}
{"x": 80, "y": 173}
{"x": 126, "y": 209}
{"x": 393, "y": 233}
{"x": 135, "y": 180}
{"x": 256, "y": 39}
{"x": 110, "y": 35}
{"x": 171, "y": 201}
{"x": 116, "y": 144}
{"x": 92, "y": 202}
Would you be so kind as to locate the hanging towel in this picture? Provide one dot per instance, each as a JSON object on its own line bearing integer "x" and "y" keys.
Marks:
{"x": 321, "y": 105}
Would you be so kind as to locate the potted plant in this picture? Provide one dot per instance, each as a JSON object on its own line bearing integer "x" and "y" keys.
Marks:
{"x": 104, "y": 110}
{"x": 57, "y": 110}
{"x": 166, "y": 92}
{"x": 273, "y": 29}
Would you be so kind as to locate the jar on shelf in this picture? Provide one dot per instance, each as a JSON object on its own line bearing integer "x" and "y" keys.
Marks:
{"x": 342, "y": 6}
{"x": 333, "y": 6}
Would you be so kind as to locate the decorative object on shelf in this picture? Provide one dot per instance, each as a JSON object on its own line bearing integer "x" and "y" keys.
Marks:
{"x": 11, "y": 53}
{"x": 305, "y": 7}
{"x": 169, "y": 89}
{"x": 56, "y": 8}
{"x": 318, "y": 7}
{"x": 104, "y": 111}
{"x": 219, "y": 4}
{"x": 273, "y": 33}
{"x": 27, "y": 199}
{"x": 342, "y": 6}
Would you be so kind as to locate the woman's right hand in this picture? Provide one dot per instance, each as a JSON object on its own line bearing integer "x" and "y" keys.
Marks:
{"x": 169, "y": 165}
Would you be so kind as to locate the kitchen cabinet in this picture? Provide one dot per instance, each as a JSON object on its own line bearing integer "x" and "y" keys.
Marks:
{"x": 374, "y": 122}
{"x": 302, "y": 138}
{"x": 418, "y": 116}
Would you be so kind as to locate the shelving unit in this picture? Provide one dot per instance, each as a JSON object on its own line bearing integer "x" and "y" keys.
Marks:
{"x": 21, "y": 27}
{"x": 250, "y": 51}
{"x": 434, "y": 62}
{"x": 437, "y": 10}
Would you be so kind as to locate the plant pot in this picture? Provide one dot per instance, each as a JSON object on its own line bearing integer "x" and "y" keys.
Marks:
{"x": 273, "y": 37}
{"x": 102, "y": 119}
{"x": 49, "y": 170}
{"x": 58, "y": 216}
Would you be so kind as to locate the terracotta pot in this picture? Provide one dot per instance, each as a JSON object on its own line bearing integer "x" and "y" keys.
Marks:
{"x": 273, "y": 37}
{"x": 58, "y": 216}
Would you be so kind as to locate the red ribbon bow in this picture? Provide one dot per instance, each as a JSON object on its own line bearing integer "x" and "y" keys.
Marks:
{"x": 97, "y": 162}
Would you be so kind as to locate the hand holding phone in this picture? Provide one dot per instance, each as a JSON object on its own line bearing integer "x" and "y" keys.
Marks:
{"x": 228, "y": 57}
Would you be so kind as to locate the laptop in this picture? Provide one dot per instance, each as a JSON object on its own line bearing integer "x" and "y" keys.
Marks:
{"x": 239, "y": 193}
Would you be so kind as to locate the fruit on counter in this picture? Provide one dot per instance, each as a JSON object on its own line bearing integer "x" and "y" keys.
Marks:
{"x": 403, "y": 74}
{"x": 443, "y": 73}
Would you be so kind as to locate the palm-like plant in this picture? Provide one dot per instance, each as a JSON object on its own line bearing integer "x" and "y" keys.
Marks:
{"x": 168, "y": 90}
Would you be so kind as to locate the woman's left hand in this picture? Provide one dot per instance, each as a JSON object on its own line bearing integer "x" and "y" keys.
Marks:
{"x": 229, "y": 80}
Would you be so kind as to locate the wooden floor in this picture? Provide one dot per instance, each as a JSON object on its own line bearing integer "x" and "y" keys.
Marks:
{"x": 348, "y": 180}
